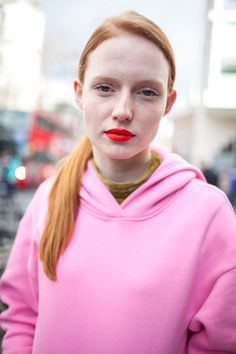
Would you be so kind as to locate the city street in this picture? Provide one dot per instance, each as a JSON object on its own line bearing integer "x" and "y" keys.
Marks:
{"x": 11, "y": 211}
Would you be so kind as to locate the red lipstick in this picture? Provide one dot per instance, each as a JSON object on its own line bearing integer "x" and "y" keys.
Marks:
{"x": 119, "y": 134}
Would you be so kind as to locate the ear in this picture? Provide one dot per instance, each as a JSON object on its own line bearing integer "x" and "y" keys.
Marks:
{"x": 170, "y": 101}
{"x": 78, "y": 93}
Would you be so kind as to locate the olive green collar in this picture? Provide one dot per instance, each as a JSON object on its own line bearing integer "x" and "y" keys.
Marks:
{"x": 121, "y": 190}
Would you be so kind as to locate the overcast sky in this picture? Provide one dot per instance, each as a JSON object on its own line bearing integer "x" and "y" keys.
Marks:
{"x": 69, "y": 24}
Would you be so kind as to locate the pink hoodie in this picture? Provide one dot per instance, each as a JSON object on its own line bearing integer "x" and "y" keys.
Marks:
{"x": 154, "y": 275}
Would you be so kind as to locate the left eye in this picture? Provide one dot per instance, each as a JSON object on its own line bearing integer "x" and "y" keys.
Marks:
{"x": 103, "y": 88}
{"x": 148, "y": 92}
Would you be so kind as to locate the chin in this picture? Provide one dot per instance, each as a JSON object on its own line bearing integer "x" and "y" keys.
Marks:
{"x": 126, "y": 154}
{"x": 118, "y": 151}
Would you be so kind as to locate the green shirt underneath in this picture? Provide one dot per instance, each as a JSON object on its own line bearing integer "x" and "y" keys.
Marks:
{"x": 120, "y": 190}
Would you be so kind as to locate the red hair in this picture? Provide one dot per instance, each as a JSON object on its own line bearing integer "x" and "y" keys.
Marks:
{"x": 63, "y": 200}
{"x": 134, "y": 23}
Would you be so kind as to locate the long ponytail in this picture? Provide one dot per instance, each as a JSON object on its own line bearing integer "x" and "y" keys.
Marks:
{"x": 63, "y": 203}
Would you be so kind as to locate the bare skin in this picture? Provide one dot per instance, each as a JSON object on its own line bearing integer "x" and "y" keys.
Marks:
{"x": 125, "y": 86}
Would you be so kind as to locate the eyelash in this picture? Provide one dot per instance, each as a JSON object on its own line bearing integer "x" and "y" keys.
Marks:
{"x": 100, "y": 87}
{"x": 151, "y": 92}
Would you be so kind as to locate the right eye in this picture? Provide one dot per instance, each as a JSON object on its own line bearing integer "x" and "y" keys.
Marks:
{"x": 104, "y": 88}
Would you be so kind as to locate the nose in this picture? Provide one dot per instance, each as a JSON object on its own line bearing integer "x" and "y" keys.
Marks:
{"x": 122, "y": 110}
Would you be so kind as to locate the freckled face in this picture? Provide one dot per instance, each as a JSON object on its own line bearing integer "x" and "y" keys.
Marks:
{"x": 124, "y": 94}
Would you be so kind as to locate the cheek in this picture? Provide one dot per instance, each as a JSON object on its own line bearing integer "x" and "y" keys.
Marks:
{"x": 93, "y": 121}
{"x": 89, "y": 112}
{"x": 154, "y": 110}
{"x": 88, "y": 121}
{"x": 94, "y": 111}
{"x": 153, "y": 117}
{"x": 152, "y": 127}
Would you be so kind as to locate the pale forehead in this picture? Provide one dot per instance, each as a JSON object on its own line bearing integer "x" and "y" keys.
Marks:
{"x": 129, "y": 49}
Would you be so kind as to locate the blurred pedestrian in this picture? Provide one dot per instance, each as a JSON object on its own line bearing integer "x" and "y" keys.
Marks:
{"x": 210, "y": 174}
{"x": 7, "y": 173}
{"x": 127, "y": 250}
{"x": 232, "y": 191}
{"x": 224, "y": 182}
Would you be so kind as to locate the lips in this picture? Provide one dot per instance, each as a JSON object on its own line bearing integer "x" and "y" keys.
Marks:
{"x": 119, "y": 134}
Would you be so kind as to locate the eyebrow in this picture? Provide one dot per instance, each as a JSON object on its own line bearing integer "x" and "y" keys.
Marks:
{"x": 151, "y": 81}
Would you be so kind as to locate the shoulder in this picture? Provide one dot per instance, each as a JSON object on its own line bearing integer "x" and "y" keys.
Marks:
{"x": 209, "y": 191}
{"x": 209, "y": 198}
{"x": 41, "y": 193}
{"x": 37, "y": 207}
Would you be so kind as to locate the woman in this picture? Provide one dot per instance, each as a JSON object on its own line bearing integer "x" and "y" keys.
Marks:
{"x": 137, "y": 254}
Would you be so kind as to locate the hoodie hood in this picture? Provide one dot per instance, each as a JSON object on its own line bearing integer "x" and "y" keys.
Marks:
{"x": 171, "y": 176}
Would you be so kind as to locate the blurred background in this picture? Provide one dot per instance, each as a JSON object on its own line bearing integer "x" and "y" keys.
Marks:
{"x": 40, "y": 45}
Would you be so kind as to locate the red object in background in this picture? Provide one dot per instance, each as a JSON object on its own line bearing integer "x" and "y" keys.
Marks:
{"x": 49, "y": 140}
{"x": 38, "y": 139}
{"x": 45, "y": 129}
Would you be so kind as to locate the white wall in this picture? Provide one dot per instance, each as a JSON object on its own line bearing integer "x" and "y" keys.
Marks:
{"x": 21, "y": 51}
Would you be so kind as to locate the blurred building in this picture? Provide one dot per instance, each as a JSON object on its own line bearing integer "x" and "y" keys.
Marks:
{"x": 207, "y": 131}
{"x": 21, "y": 40}
{"x": 57, "y": 95}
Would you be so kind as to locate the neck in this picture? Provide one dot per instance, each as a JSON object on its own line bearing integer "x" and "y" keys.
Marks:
{"x": 118, "y": 170}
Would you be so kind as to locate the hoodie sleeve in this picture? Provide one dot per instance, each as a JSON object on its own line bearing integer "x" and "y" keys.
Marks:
{"x": 213, "y": 326}
{"x": 19, "y": 286}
